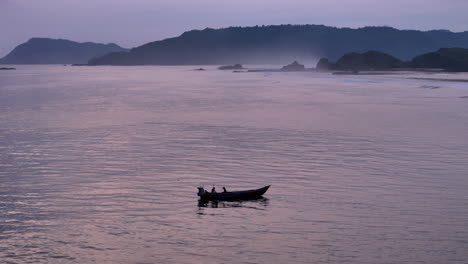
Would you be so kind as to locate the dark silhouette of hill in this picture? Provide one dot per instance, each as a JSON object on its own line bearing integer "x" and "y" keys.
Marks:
{"x": 282, "y": 43}
{"x": 370, "y": 60}
{"x": 57, "y": 51}
{"x": 451, "y": 59}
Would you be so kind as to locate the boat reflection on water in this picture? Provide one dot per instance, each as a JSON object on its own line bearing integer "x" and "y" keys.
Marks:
{"x": 258, "y": 203}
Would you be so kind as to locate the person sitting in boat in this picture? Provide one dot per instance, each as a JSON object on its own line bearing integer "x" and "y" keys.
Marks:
{"x": 201, "y": 191}
{"x": 213, "y": 190}
{"x": 224, "y": 189}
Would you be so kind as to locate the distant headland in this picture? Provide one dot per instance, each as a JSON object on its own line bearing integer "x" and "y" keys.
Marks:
{"x": 282, "y": 44}
{"x": 57, "y": 51}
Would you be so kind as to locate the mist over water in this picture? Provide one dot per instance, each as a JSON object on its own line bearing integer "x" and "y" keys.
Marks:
{"x": 101, "y": 165}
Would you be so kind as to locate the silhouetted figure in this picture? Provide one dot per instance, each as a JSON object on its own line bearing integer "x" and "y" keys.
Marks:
{"x": 224, "y": 189}
{"x": 213, "y": 190}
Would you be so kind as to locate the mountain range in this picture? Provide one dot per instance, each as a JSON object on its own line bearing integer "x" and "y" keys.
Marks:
{"x": 57, "y": 51}
{"x": 282, "y": 43}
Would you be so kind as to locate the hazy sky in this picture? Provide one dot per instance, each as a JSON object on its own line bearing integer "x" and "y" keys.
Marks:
{"x": 131, "y": 23}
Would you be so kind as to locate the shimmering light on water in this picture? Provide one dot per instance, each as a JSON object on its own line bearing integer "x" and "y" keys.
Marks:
{"x": 101, "y": 165}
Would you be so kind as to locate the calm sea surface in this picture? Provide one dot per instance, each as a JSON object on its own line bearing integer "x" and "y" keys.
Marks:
{"x": 101, "y": 165}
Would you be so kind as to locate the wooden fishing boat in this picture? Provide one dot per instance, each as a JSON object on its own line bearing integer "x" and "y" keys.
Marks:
{"x": 237, "y": 195}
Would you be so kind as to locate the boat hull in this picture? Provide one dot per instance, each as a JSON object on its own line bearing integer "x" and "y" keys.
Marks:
{"x": 240, "y": 195}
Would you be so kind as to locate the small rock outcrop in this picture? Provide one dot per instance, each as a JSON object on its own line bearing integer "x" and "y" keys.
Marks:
{"x": 232, "y": 67}
{"x": 324, "y": 65}
{"x": 295, "y": 66}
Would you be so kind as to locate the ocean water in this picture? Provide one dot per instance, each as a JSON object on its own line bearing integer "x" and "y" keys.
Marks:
{"x": 101, "y": 165}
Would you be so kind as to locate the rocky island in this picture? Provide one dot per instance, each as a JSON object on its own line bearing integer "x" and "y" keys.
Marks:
{"x": 295, "y": 66}
{"x": 447, "y": 59}
{"x": 232, "y": 67}
{"x": 451, "y": 59}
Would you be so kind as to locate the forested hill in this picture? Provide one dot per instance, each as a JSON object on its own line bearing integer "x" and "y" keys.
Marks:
{"x": 282, "y": 43}
{"x": 57, "y": 51}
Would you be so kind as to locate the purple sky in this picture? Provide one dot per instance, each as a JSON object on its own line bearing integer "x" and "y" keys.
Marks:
{"x": 132, "y": 23}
